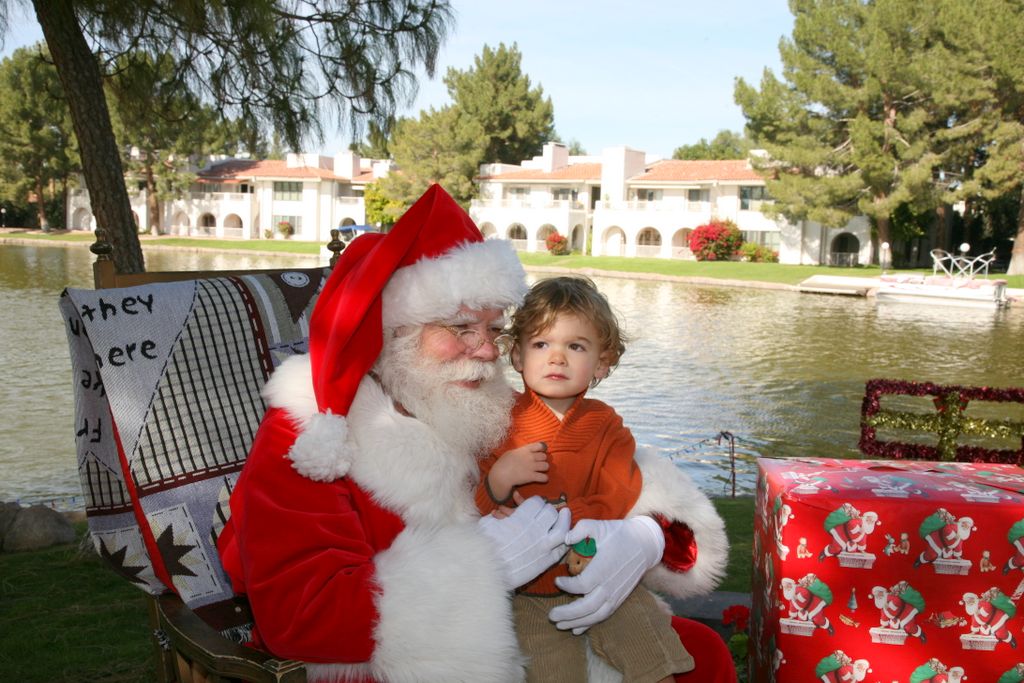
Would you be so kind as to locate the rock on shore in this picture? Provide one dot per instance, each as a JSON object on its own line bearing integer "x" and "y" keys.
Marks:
{"x": 32, "y": 528}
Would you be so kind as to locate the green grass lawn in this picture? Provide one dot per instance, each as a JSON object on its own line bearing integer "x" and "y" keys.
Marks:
{"x": 714, "y": 270}
{"x": 66, "y": 618}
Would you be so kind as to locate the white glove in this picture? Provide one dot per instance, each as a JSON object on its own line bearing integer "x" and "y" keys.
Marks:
{"x": 529, "y": 540}
{"x": 626, "y": 549}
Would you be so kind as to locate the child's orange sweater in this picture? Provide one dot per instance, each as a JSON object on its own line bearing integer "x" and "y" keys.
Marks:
{"x": 590, "y": 453}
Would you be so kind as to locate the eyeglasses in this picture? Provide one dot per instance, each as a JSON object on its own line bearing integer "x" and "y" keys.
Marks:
{"x": 471, "y": 340}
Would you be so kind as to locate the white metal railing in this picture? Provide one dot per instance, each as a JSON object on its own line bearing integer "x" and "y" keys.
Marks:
{"x": 566, "y": 204}
{"x": 843, "y": 258}
{"x": 670, "y": 204}
{"x": 234, "y": 233}
{"x": 518, "y": 245}
{"x": 962, "y": 266}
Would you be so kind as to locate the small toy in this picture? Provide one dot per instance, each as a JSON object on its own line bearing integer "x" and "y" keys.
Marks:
{"x": 580, "y": 554}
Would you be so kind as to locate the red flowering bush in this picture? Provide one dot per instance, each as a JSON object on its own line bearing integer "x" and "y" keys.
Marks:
{"x": 557, "y": 244}
{"x": 715, "y": 241}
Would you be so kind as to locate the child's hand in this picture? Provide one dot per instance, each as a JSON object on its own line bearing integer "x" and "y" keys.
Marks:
{"x": 524, "y": 465}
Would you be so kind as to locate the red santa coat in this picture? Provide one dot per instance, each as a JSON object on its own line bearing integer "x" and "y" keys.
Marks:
{"x": 370, "y": 564}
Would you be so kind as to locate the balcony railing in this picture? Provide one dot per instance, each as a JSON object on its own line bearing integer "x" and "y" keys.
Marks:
{"x": 670, "y": 204}
{"x": 566, "y": 204}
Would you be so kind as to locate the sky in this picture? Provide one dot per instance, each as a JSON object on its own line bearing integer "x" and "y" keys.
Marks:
{"x": 651, "y": 75}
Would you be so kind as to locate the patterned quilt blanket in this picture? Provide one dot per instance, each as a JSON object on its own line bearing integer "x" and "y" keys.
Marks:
{"x": 167, "y": 381}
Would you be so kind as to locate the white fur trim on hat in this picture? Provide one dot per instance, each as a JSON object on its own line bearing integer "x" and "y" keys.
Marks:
{"x": 484, "y": 274}
{"x": 321, "y": 452}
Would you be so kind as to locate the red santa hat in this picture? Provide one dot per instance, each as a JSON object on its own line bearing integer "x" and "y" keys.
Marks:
{"x": 433, "y": 261}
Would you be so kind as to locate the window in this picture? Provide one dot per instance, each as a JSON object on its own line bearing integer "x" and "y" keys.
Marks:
{"x": 752, "y": 196}
{"x": 296, "y": 222}
{"x": 518, "y": 192}
{"x": 698, "y": 197}
{"x": 765, "y": 238}
{"x": 563, "y": 194}
{"x": 288, "y": 191}
{"x": 643, "y": 195}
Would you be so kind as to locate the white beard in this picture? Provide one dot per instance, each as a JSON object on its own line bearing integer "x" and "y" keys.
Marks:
{"x": 471, "y": 421}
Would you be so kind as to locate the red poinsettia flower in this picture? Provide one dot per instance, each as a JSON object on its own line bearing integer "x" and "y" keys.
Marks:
{"x": 738, "y": 616}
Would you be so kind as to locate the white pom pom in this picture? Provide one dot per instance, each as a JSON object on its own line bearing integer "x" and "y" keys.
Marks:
{"x": 321, "y": 452}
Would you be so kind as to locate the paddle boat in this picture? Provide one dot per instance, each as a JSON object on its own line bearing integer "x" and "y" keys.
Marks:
{"x": 956, "y": 280}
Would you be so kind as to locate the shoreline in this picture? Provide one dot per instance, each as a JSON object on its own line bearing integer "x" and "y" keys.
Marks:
{"x": 8, "y": 236}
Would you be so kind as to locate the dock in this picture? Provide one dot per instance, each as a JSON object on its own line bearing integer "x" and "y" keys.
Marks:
{"x": 839, "y": 285}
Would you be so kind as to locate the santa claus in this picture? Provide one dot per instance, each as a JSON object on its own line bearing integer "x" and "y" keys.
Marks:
{"x": 354, "y": 532}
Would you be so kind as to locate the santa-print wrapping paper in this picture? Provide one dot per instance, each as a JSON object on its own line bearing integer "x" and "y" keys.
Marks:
{"x": 886, "y": 571}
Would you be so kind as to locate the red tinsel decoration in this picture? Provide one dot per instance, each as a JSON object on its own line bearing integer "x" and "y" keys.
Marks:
{"x": 950, "y": 401}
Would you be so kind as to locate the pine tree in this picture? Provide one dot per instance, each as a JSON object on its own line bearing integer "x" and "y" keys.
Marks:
{"x": 859, "y": 125}
{"x": 495, "y": 116}
{"x": 37, "y": 147}
{"x": 516, "y": 119}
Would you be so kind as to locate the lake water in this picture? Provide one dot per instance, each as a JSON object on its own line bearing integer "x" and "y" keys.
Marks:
{"x": 782, "y": 372}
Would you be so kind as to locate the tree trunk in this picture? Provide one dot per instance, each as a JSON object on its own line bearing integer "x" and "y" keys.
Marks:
{"x": 152, "y": 203}
{"x": 41, "y": 204}
{"x": 1017, "y": 255}
{"x": 101, "y": 163}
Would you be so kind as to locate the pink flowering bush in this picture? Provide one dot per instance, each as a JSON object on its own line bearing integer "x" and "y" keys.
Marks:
{"x": 557, "y": 244}
{"x": 715, "y": 241}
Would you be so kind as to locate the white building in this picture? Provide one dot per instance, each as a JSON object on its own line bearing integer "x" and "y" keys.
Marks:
{"x": 245, "y": 198}
{"x": 624, "y": 203}
{"x": 620, "y": 203}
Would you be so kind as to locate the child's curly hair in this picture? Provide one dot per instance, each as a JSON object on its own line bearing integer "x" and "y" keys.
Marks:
{"x": 573, "y": 295}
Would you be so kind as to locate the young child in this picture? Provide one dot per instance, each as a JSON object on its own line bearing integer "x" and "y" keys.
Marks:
{"x": 574, "y": 451}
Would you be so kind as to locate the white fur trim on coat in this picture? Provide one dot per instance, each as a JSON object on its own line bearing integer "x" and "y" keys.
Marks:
{"x": 291, "y": 389}
{"x": 322, "y": 451}
{"x": 421, "y": 576}
{"x": 669, "y": 492}
{"x": 484, "y": 274}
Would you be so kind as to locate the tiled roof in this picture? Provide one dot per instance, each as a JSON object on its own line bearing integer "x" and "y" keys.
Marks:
{"x": 678, "y": 170}
{"x": 240, "y": 169}
{"x": 588, "y": 171}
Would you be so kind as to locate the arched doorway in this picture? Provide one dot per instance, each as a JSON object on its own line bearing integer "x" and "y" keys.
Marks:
{"x": 180, "y": 224}
{"x": 207, "y": 224}
{"x": 844, "y": 251}
{"x": 233, "y": 225}
{"x": 517, "y": 236}
{"x": 681, "y": 244}
{"x": 648, "y": 242}
{"x": 578, "y": 239}
{"x": 488, "y": 230}
{"x": 81, "y": 220}
{"x": 613, "y": 242}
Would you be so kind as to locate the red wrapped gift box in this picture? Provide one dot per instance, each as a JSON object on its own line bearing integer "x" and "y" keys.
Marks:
{"x": 886, "y": 571}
